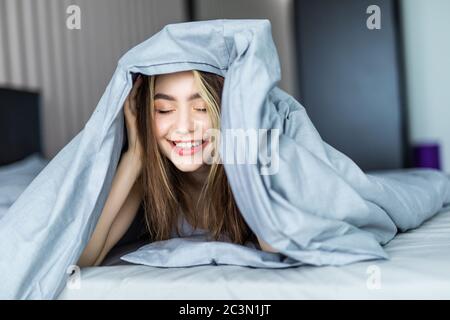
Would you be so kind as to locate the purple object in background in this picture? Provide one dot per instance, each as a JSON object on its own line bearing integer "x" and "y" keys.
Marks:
{"x": 427, "y": 155}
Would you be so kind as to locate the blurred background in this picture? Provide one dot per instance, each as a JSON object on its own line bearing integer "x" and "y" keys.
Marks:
{"x": 374, "y": 82}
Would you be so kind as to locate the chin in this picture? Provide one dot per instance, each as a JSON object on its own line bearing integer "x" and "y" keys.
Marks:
{"x": 187, "y": 163}
{"x": 186, "y": 167}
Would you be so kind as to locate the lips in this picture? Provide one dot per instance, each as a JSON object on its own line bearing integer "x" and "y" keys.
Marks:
{"x": 188, "y": 147}
{"x": 187, "y": 143}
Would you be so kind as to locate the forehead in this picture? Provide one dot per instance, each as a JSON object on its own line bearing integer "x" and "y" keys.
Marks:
{"x": 175, "y": 82}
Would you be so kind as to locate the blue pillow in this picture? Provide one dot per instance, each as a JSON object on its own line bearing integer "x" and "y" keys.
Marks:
{"x": 195, "y": 250}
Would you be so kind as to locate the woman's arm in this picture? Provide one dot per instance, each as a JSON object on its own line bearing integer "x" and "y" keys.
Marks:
{"x": 265, "y": 246}
{"x": 122, "y": 221}
{"x": 118, "y": 213}
{"x": 126, "y": 193}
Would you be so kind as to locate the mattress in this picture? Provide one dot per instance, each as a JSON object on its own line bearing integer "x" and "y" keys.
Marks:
{"x": 418, "y": 268}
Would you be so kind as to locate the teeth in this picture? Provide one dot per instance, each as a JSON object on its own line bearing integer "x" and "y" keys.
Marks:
{"x": 188, "y": 144}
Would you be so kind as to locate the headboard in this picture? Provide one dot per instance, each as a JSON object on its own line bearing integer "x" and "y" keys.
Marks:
{"x": 20, "y": 128}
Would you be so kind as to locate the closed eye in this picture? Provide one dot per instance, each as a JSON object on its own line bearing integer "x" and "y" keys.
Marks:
{"x": 201, "y": 109}
{"x": 163, "y": 111}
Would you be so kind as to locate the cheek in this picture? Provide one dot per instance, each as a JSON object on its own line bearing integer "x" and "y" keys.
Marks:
{"x": 161, "y": 127}
{"x": 204, "y": 122}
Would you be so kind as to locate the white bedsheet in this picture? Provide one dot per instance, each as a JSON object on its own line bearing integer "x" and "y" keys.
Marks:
{"x": 419, "y": 268}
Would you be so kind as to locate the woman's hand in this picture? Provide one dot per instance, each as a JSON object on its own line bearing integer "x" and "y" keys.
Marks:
{"x": 134, "y": 145}
{"x": 265, "y": 246}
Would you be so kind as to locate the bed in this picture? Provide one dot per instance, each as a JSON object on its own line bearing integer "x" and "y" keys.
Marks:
{"x": 419, "y": 265}
{"x": 419, "y": 268}
{"x": 21, "y": 156}
{"x": 15, "y": 177}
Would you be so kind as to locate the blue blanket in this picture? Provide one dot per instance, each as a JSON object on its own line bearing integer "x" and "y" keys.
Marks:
{"x": 312, "y": 203}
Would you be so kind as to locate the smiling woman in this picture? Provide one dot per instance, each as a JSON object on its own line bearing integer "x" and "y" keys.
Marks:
{"x": 181, "y": 118}
{"x": 182, "y": 147}
{"x": 171, "y": 166}
{"x": 184, "y": 109}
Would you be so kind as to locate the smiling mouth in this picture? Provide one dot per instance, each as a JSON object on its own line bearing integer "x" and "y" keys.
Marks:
{"x": 186, "y": 148}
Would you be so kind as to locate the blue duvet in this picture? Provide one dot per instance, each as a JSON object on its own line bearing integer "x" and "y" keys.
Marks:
{"x": 319, "y": 208}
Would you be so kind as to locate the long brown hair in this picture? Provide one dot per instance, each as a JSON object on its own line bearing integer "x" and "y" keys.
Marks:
{"x": 164, "y": 185}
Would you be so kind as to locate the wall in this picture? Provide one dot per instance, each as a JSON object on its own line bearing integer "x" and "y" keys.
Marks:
{"x": 73, "y": 67}
{"x": 426, "y": 27}
{"x": 350, "y": 79}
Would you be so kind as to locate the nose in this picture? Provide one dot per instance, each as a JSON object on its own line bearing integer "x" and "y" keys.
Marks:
{"x": 184, "y": 122}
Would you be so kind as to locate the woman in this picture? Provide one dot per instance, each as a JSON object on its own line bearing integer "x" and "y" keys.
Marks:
{"x": 170, "y": 166}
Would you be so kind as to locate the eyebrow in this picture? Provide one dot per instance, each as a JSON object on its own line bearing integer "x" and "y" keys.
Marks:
{"x": 170, "y": 98}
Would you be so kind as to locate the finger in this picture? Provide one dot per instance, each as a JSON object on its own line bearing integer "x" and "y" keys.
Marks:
{"x": 136, "y": 85}
{"x": 129, "y": 113}
{"x": 126, "y": 106}
{"x": 130, "y": 110}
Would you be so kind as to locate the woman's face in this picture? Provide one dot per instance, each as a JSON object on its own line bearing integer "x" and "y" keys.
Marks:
{"x": 181, "y": 120}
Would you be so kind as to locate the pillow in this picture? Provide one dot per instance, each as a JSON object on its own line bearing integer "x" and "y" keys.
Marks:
{"x": 195, "y": 250}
